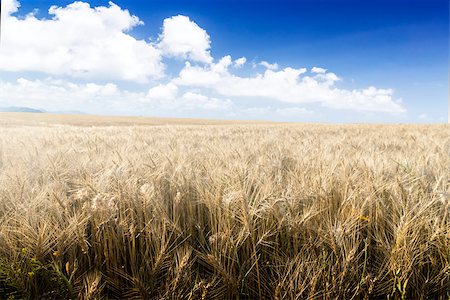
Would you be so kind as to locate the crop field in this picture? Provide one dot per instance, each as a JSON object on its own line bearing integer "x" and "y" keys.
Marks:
{"x": 107, "y": 208}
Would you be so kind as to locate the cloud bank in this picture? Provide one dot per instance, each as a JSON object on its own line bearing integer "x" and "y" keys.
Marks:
{"x": 78, "y": 41}
{"x": 84, "y": 56}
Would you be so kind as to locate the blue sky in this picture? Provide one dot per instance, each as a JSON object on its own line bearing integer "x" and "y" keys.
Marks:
{"x": 386, "y": 61}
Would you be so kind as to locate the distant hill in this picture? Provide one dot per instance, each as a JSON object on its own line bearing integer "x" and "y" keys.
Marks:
{"x": 20, "y": 109}
{"x": 35, "y": 110}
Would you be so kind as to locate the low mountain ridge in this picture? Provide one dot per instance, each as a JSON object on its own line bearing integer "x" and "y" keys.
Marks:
{"x": 20, "y": 109}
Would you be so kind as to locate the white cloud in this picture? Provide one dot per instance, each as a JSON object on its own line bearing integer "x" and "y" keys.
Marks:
{"x": 167, "y": 96}
{"x": 368, "y": 99}
{"x": 9, "y": 7}
{"x": 56, "y": 94}
{"x": 108, "y": 89}
{"x": 78, "y": 41}
{"x": 163, "y": 92}
{"x": 183, "y": 38}
{"x": 192, "y": 100}
{"x": 318, "y": 70}
{"x": 288, "y": 85}
{"x": 238, "y": 63}
{"x": 269, "y": 66}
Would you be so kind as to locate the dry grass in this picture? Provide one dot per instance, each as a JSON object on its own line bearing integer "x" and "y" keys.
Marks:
{"x": 45, "y": 119}
{"x": 225, "y": 212}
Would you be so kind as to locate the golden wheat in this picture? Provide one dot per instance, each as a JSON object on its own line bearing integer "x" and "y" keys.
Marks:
{"x": 283, "y": 211}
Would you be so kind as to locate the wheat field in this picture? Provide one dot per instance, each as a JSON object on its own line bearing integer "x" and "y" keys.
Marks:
{"x": 232, "y": 210}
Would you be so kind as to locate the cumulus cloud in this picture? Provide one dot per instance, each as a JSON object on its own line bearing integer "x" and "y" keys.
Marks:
{"x": 79, "y": 41}
{"x": 368, "y": 99}
{"x": 163, "y": 92}
{"x": 318, "y": 70}
{"x": 193, "y": 101}
{"x": 9, "y": 7}
{"x": 288, "y": 85}
{"x": 167, "y": 96}
{"x": 183, "y": 38}
{"x": 238, "y": 63}
{"x": 58, "y": 95}
{"x": 269, "y": 66}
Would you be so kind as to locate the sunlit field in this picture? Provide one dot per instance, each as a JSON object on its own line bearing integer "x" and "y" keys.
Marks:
{"x": 100, "y": 207}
